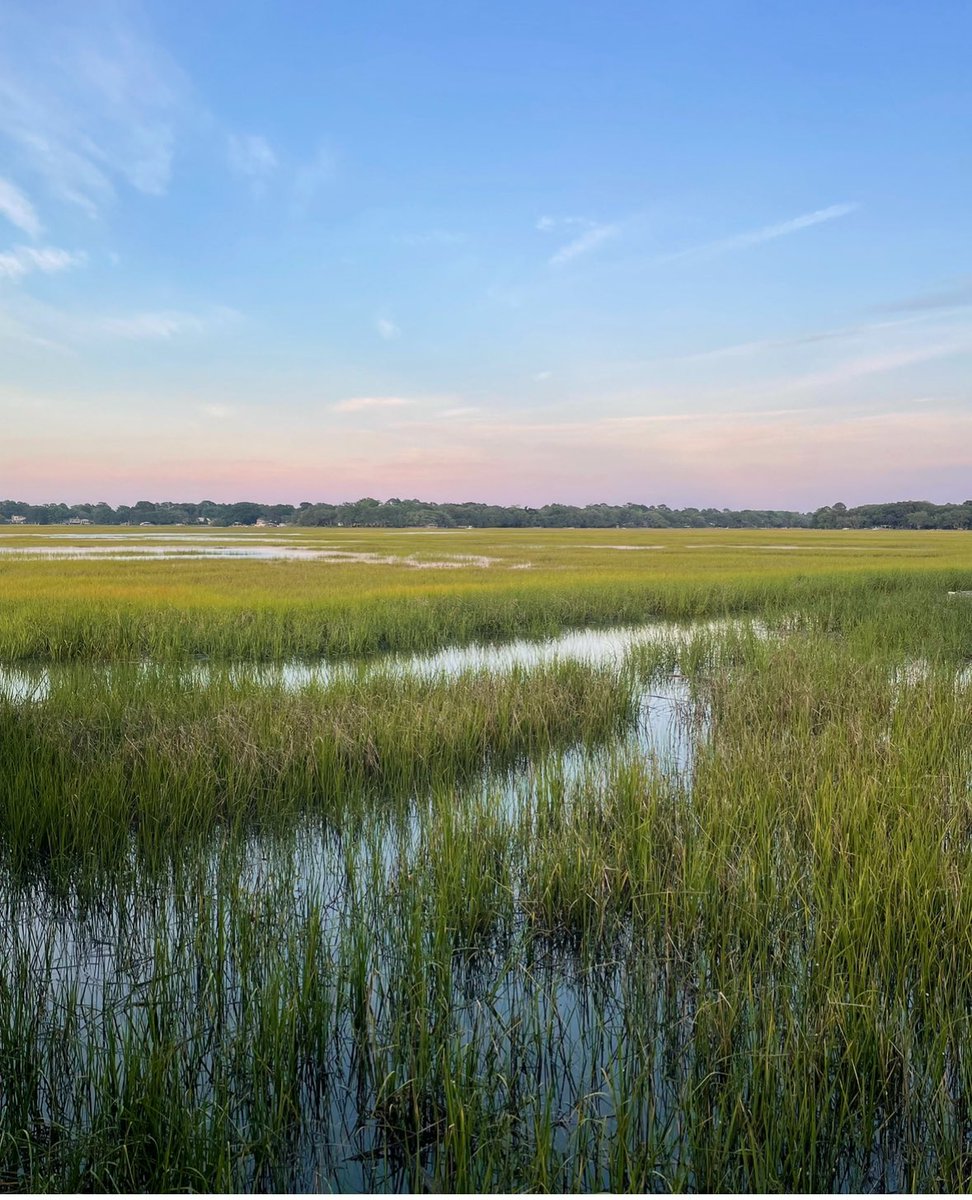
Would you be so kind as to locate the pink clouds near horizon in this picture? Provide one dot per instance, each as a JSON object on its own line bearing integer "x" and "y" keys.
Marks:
{"x": 797, "y": 459}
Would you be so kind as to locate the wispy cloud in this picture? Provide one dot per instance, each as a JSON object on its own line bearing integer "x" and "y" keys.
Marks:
{"x": 593, "y": 234}
{"x": 88, "y": 101}
{"x": 584, "y": 244}
{"x": 252, "y": 157}
{"x": 387, "y": 329}
{"x": 957, "y": 294}
{"x": 752, "y": 349}
{"x": 548, "y": 224}
{"x": 856, "y": 352}
{"x": 31, "y": 321}
{"x": 158, "y": 326}
{"x": 876, "y": 364}
{"x": 13, "y": 329}
{"x": 219, "y": 412}
{"x": 18, "y": 210}
{"x": 432, "y": 237}
{"x": 768, "y": 233}
{"x": 48, "y": 260}
{"x": 148, "y": 326}
{"x": 464, "y": 410}
{"x": 362, "y": 403}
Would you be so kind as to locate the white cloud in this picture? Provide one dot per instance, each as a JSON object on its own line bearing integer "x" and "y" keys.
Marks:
{"x": 88, "y": 100}
{"x": 14, "y": 329}
{"x": 434, "y": 237}
{"x": 589, "y": 240}
{"x": 218, "y": 411}
{"x": 594, "y": 234}
{"x": 27, "y": 319}
{"x": 251, "y": 156}
{"x": 957, "y": 294}
{"x": 876, "y": 364}
{"x": 160, "y": 326}
{"x": 361, "y": 403}
{"x": 768, "y": 233}
{"x": 897, "y": 328}
{"x": 466, "y": 410}
{"x": 542, "y": 376}
{"x": 148, "y": 326}
{"x": 387, "y": 329}
{"x": 552, "y": 224}
{"x": 856, "y": 355}
{"x": 23, "y": 260}
{"x": 18, "y": 210}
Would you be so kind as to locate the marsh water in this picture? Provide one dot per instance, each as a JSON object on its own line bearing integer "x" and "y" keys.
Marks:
{"x": 591, "y": 647}
{"x": 195, "y": 547}
{"x": 549, "y": 1031}
{"x": 104, "y": 962}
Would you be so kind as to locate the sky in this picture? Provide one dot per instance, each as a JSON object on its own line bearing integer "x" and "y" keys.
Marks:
{"x": 657, "y": 251}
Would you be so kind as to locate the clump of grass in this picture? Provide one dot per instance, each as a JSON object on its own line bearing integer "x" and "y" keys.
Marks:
{"x": 106, "y": 757}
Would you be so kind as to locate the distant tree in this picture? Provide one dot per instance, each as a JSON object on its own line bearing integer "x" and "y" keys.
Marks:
{"x": 400, "y": 512}
{"x": 244, "y": 513}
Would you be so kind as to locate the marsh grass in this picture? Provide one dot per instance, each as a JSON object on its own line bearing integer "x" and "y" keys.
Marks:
{"x": 542, "y": 582}
{"x": 465, "y": 934}
{"x": 159, "y": 758}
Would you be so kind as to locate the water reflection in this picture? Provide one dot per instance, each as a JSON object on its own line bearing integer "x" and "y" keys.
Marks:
{"x": 250, "y": 550}
{"x": 591, "y": 647}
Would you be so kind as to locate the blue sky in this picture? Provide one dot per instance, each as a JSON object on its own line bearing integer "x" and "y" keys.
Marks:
{"x": 692, "y": 253}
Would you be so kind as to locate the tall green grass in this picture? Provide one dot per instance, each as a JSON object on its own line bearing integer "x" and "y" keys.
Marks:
{"x": 541, "y": 583}
{"x": 466, "y": 935}
{"x": 164, "y": 762}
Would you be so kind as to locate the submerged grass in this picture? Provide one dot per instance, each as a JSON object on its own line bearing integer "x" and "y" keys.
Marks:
{"x": 467, "y": 934}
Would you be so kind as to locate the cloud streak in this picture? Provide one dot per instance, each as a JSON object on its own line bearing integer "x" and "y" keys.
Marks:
{"x": 89, "y": 101}
{"x": 584, "y": 244}
{"x": 48, "y": 260}
{"x": 593, "y": 234}
{"x": 877, "y": 364}
{"x": 252, "y": 157}
{"x": 465, "y": 410}
{"x": 363, "y": 403}
{"x": 799, "y": 457}
{"x": 548, "y": 224}
{"x": 18, "y": 210}
{"x": 432, "y": 237}
{"x": 387, "y": 330}
{"x": 956, "y": 295}
{"x": 588, "y": 241}
{"x": 767, "y": 233}
{"x": 917, "y": 318}
{"x": 161, "y": 326}
{"x": 33, "y": 322}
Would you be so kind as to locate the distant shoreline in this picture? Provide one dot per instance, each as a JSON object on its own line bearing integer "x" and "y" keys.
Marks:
{"x": 405, "y": 514}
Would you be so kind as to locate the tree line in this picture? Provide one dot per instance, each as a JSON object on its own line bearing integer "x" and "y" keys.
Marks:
{"x": 396, "y": 513}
